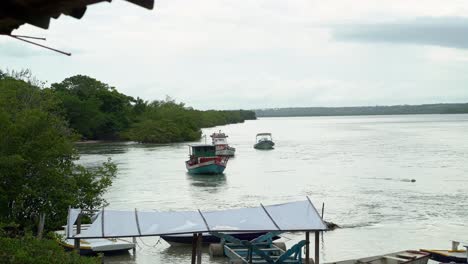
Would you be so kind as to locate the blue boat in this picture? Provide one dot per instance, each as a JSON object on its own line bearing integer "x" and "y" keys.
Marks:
{"x": 203, "y": 160}
{"x": 187, "y": 239}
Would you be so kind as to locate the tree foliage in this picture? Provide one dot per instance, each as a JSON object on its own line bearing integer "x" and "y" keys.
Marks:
{"x": 29, "y": 250}
{"x": 96, "y": 110}
{"x": 38, "y": 175}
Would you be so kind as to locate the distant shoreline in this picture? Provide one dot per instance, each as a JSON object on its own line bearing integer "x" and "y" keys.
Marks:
{"x": 364, "y": 110}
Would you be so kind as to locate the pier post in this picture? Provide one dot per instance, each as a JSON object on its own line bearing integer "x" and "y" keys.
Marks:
{"x": 199, "y": 247}
{"x": 307, "y": 249}
{"x": 317, "y": 243}
{"x": 194, "y": 247}
{"x": 78, "y": 231}
{"x": 134, "y": 246}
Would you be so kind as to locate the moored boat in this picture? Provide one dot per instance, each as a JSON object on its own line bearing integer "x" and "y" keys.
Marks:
{"x": 95, "y": 245}
{"x": 203, "y": 160}
{"x": 407, "y": 257}
{"x": 454, "y": 255}
{"x": 219, "y": 140}
{"x": 187, "y": 239}
{"x": 264, "y": 141}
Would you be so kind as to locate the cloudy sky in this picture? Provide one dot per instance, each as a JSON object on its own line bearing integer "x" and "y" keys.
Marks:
{"x": 229, "y": 54}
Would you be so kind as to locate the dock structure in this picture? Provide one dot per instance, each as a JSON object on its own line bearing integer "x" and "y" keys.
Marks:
{"x": 300, "y": 216}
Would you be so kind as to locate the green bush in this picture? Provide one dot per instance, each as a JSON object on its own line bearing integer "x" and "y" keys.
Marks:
{"x": 38, "y": 251}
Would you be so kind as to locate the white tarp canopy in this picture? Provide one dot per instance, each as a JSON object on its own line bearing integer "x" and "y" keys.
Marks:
{"x": 287, "y": 217}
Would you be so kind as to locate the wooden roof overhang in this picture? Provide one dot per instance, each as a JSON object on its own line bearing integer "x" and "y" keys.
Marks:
{"x": 14, "y": 13}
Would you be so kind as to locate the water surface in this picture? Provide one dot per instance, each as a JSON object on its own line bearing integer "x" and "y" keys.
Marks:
{"x": 360, "y": 167}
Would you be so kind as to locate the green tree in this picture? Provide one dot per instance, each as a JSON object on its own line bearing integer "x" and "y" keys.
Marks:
{"x": 94, "y": 109}
{"x": 38, "y": 176}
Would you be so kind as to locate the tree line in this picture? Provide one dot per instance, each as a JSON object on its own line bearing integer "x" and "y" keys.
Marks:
{"x": 365, "y": 110}
{"x": 98, "y": 111}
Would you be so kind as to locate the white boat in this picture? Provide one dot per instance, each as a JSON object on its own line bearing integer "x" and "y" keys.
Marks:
{"x": 222, "y": 147}
{"x": 264, "y": 141}
{"x": 95, "y": 245}
{"x": 407, "y": 257}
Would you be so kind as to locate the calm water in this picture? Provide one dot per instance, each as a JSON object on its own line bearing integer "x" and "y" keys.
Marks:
{"x": 360, "y": 167}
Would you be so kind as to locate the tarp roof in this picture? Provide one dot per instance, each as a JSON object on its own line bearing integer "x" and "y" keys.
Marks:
{"x": 287, "y": 217}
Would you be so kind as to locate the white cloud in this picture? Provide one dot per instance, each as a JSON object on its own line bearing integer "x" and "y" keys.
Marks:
{"x": 246, "y": 54}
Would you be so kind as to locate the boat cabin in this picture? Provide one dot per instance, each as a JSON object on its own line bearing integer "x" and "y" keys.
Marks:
{"x": 264, "y": 136}
{"x": 202, "y": 151}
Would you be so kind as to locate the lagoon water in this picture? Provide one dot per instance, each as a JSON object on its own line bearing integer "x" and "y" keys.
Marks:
{"x": 361, "y": 168}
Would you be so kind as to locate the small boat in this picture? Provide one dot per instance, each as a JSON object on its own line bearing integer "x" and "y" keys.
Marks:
{"x": 186, "y": 239}
{"x": 203, "y": 160}
{"x": 454, "y": 255}
{"x": 264, "y": 141}
{"x": 95, "y": 245}
{"x": 407, "y": 257}
{"x": 222, "y": 147}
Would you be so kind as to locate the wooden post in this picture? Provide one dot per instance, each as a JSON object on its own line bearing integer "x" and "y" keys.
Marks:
{"x": 78, "y": 231}
{"x": 134, "y": 246}
{"x": 307, "y": 249}
{"x": 317, "y": 243}
{"x": 199, "y": 247}
{"x": 194, "y": 247}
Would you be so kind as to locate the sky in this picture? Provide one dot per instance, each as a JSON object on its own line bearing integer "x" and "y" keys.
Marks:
{"x": 231, "y": 54}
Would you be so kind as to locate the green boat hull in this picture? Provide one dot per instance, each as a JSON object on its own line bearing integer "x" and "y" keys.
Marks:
{"x": 266, "y": 144}
{"x": 207, "y": 169}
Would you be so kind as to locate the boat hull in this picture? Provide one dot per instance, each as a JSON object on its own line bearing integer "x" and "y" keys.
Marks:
{"x": 401, "y": 257}
{"x": 98, "y": 245}
{"x": 446, "y": 256}
{"x": 266, "y": 144}
{"x": 181, "y": 240}
{"x": 210, "y": 167}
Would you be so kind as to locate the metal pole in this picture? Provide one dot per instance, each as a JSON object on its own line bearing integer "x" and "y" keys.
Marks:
{"x": 323, "y": 208}
{"x": 78, "y": 231}
{"x": 317, "y": 242}
{"x": 307, "y": 256}
{"x": 194, "y": 247}
{"x": 199, "y": 247}
{"x": 134, "y": 246}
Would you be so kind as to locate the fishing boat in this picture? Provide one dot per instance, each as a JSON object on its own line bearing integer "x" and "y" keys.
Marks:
{"x": 219, "y": 140}
{"x": 264, "y": 141}
{"x": 406, "y": 257}
{"x": 187, "y": 239}
{"x": 454, "y": 255}
{"x": 95, "y": 245}
{"x": 203, "y": 160}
